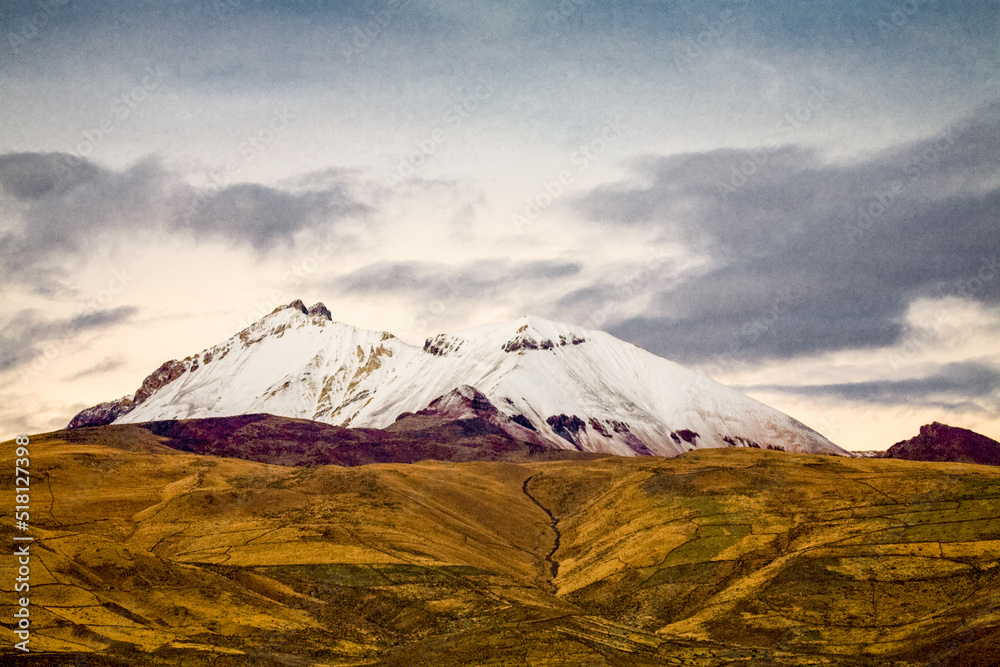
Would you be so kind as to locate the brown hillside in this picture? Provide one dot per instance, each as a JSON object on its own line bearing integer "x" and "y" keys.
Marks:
{"x": 149, "y": 556}
{"x": 301, "y": 442}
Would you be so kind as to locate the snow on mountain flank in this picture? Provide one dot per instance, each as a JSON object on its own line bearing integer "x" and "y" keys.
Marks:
{"x": 566, "y": 386}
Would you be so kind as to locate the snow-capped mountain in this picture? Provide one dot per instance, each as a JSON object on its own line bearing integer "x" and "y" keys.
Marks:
{"x": 569, "y": 387}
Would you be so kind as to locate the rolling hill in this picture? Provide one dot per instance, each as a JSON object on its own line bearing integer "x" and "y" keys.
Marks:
{"x": 146, "y": 555}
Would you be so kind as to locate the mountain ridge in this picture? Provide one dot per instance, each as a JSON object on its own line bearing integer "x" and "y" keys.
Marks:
{"x": 569, "y": 387}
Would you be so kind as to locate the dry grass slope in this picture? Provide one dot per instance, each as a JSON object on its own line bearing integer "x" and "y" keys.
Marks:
{"x": 149, "y": 556}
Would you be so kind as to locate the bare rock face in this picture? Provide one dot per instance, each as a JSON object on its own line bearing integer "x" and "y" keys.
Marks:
{"x": 940, "y": 442}
{"x": 162, "y": 376}
{"x": 523, "y": 341}
{"x": 101, "y": 414}
{"x": 105, "y": 413}
{"x": 297, "y": 305}
{"x": 319, "y": 310}
{"x": 471, "y": 409}
{"x": 442, "y": 344}
{"x": 566, "y": 426}
{"x": 686, "y": 435}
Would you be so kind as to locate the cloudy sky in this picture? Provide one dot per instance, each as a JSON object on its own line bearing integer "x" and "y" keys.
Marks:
{"x": 800, "y": 199}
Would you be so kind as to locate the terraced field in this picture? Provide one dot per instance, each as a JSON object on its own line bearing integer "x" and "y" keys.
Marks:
{"x": 149, "y": 556}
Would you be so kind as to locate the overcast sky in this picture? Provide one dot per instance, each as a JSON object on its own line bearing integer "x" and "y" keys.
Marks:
{"x": 800, "y": 199}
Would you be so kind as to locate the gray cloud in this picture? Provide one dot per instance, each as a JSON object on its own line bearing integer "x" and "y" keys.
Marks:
{"x": 24, "y": 336}
{"x": 438, "y": 281}
{"x": 30, "y": 176}
{"x": 106, "y": 365}
{"x": 60, "y": 200}
{"x": 810, "y": 255}
{"x": 951, "y": 386}
{"x": 56, "y": 202}
{"x": 264, "y": 216}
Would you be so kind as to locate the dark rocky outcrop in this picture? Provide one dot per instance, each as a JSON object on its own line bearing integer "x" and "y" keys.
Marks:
{"x": 162, "y": 376}
{"x": 599, "y": 427}
{"x": 940, "y": 442}
{"x": 467, "y": 412}
{"x": 566, "y": 426}
{"x": 523, "y": 421}
{"x": 441, "y": 345}
{"x": 685, "y": 435}
{"x": 633, "y": 442}
{"x": 105, "y": 413}
{"x": 101, "y": 414}
{"x": 319, "y": 310}
{"x": 523, "y": 341}
{"x": 737, "y": 441}
{"x": 297, "y": 305}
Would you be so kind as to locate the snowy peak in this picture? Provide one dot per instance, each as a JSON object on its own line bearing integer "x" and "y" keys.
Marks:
{"x": 315, "y": 310}
{"x": 536, "y": 380}
{"x": 319, "y": 310}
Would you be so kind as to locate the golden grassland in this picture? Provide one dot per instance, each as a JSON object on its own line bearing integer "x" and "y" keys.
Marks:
{"x": 148, "y": 556}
